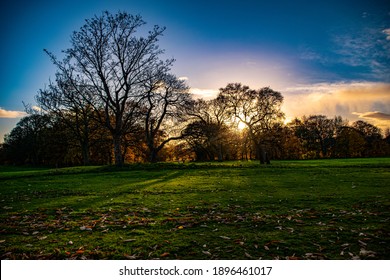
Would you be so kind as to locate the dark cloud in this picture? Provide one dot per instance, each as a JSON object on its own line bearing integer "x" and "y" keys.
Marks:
{"x": 375, "y": 115}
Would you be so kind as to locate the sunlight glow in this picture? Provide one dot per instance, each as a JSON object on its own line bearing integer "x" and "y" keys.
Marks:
{"x": 241, "y": 125}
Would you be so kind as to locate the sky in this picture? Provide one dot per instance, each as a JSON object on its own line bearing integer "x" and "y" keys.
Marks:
{"x": 325, "y": 57}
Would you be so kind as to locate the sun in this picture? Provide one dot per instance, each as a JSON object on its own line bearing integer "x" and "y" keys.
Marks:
{"x": 241, "y": 125}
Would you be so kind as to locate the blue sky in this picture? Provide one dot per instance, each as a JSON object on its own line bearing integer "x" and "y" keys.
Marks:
{"x": 329, "y": 57}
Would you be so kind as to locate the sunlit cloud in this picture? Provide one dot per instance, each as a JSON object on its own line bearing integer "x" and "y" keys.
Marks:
{"x": 206, "y": 94}
{"x": 6, "y": 114}
{"x": 382, "y": 120}
{"x": 344, "y": 99}
{"x": 37, "y": 109}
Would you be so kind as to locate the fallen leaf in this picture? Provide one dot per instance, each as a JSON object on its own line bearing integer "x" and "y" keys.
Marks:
{"x": 42, "y": 237}
{"x": 129, "y": 240}
{"x": 225, "y": 237}
{"x": 2, "y": 241}
{"x": 166, "y": 254}
{"x": 290, "y": 229}
{"x": 206, "y": 253}
{"x": 180, "y": 227}
{"x": 248, "y": 256}
{"x": 130, "y": 257}
{"x": 80, "y": 252}
{"x": 365, "y": 253}
{"x": 266, "y": 248}
{"x": 362, "y": 243}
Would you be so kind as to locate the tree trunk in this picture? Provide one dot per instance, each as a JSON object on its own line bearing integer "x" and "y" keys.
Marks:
{"x": 85, "y": 153}
{"x": 263, "y": 154}
{"x": 118, "y": 150}
{"x": 153, "y": 155}
{"x": 220, "y": 154}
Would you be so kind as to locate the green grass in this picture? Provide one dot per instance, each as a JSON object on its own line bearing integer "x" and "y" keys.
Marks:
{"x": 323, "y": 209}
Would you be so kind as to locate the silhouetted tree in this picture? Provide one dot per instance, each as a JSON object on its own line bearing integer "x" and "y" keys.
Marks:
{"x": 164, "y": 106}
{"x": 71, "y": 104}
{"x": 318, "y": 134}
{"x": 23, "y": 145}
{"x": 372, "y": 136}
{"x": 107, "y": 55}
{"x": 259, "y": 110}
{"x": 350, "y": 143}
{"x": 210, "y": 130}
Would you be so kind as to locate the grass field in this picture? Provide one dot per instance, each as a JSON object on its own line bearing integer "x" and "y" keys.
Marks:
{"x": 325, "y": 209}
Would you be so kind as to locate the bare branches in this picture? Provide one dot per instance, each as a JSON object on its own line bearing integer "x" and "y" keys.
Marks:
{"x": 109, "y": 58}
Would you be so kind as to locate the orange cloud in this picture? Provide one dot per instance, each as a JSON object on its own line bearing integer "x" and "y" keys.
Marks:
{"x": 343, "y": 99}
{"x": 11, "y": 114}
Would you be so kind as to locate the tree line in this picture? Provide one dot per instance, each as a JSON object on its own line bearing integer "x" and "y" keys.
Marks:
{"x": 114, "y": 100}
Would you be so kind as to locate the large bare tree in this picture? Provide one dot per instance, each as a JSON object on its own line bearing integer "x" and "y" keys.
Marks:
{"x": 259, "y": 110}
{"x": 109, "y": 56}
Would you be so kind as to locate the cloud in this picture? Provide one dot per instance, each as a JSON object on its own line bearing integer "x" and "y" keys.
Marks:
{"x": 365, "y": 50}
{"x": 373, "y": 115}
{"x": 381, "y": 120}
{"x": 11, "y": 114}
{"x": 183, "y": 78}
{"x": 309, "y": 54}
{"x": 206, "y": 94}
{"x": 344, "y": 99}
{"x": 387, "y": 32}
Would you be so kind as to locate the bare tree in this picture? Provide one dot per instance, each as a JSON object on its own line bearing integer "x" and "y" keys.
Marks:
{"x": 164, "y": 106}
{"x": 107, "y": 55}
{"x": 259, "y": 110}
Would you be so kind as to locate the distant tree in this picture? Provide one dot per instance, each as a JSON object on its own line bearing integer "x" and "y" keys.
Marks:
{"x": 318, "y": 133}
{"x": 367, "y": 130}
{"x": 107, "y": 56}
{"x": 286, "y": 145}
{"x": 350, "y": 143}
{"x": 259, "y": 110}
{"x": 23, "y": 145}
{"x": 372, "y": 136}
